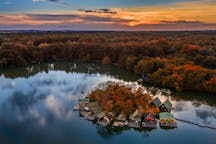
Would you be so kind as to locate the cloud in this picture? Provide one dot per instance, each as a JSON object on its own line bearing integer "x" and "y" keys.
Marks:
{"x": 61, "y": 18}
{"x": 181, "y": 22}
{"x": 51, "y": 17}
{"x": 7, "y": 3}
{"x": 105, "y": 10}
{"x": 53, "y": 1}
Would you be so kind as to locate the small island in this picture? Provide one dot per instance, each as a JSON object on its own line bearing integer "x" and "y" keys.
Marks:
{"x": 119, "y": 105}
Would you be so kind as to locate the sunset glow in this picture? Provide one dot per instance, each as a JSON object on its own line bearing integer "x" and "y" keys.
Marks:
{"x": 69, "y": 14}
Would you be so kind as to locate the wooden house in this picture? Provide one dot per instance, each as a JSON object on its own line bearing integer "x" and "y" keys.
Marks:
{"x": 167, "y": 120}
{"x": 149, "y": 121}
{"x": 156, "y": 102}
{"x": 166, "y": 106}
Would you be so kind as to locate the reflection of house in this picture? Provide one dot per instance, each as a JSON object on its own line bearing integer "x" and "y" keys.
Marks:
{"x": 167, "y": 120}
{"x": 166, "y": 106}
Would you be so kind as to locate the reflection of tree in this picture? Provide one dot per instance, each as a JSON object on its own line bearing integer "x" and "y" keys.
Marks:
{"x": 107, "y": 132}
{"x": 203, "y": 98}
{"x": 79, "y": 67}
{"x": 145, "y": 131}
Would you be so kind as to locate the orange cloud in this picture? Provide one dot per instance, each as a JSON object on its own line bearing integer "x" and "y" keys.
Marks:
{"x": 186, "y": 14}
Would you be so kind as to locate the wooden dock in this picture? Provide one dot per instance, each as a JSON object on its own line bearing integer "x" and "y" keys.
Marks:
{"x": 194, "y": 123}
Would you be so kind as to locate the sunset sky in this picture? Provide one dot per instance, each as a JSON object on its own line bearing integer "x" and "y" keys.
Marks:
{"x": 108, "y": 15}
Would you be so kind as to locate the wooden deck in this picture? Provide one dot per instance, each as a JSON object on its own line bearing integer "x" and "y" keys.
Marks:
{"x": 133, "y": 124}
{"x": 194, "y": 123}
{"x": 83, "y": 113}
{"x": 169, "y": 125}
{"x": 149, "y": 125}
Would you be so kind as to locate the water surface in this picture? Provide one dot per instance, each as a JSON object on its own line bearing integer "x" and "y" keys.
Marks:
{"x": 36, "y": 106}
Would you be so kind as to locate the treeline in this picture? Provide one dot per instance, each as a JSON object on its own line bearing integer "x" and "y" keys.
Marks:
{"x": 177, "y": 60}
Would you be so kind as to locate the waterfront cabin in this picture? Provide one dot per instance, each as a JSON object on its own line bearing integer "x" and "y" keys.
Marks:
{"x": 111, "y": 116}
{"x": 135, "y": 119}
{"x": 91, "y": 116}
{"x": 167, "y": 120}
{"x": 101, "y": 115}
{"x": 83, "y": 104}
{"x": 149, "y": 121}
{"x": 120, "y": 120}
{"x": 135, "y": 116}
{"x": 95, "y": 107}
{"x": 104, "y": 120}
{"x": 166, "y": 106}
{"x": 121, "y": 117}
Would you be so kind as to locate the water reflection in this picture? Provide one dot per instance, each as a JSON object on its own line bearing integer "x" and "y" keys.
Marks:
{"x": 44, "y": 96}
{"x": 36, "y": 106}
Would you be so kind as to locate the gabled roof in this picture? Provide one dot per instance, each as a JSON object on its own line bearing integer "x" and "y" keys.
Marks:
{"x": 168, "y": 104}
{"x": 101, "y": 115}
{"x": 166, "y": 115}
{"x": 135, "y": 114}
{"x": 93, "y": 104}
{"x": 147, "y": 115}
{"x": 156, "y": 102}
{"x": 95, "y": 107}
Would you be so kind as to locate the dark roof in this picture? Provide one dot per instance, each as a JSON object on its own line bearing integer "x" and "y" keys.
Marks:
{"x": 101, "y": 115}
{"x": 168, "y": 104}
{"x": 156, "y": 102}
{"x": 95, "y": 107}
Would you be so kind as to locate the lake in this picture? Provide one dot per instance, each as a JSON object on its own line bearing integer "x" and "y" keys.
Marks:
{"x": 36, "y": 107}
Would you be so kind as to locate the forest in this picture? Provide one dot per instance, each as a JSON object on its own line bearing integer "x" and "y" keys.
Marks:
{"x": 180, "y": 61}
{"x": 119, "y": 98}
